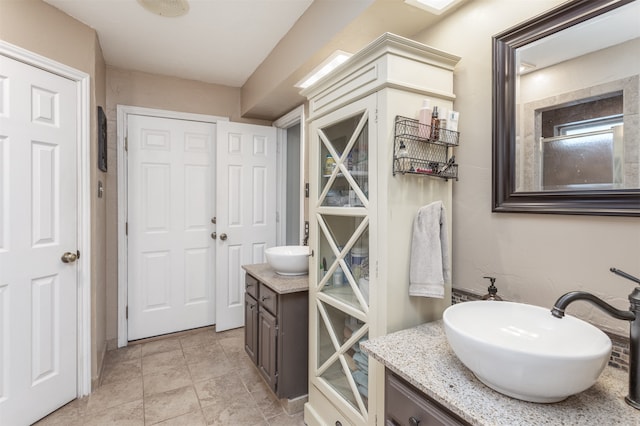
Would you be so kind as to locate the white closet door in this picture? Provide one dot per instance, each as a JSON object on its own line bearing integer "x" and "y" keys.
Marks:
{"x": 246, "y": 188}
{"x": 38, "y": 220}
{"x": 171, "y": 254}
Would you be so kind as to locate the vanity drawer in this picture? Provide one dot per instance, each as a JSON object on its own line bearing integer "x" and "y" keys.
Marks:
{"x": 251, "y": 286}
{"x": 268, "y": 299}
{"x": 406, "y": 406}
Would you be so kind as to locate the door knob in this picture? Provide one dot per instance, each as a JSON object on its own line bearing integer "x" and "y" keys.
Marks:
{"x": 214, "y": 235}
{"x": 223, "y": 237}
{"x": 69, "y": 257}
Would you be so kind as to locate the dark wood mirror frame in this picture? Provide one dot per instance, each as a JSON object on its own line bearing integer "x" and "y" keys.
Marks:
{"x": 504, "y": 197}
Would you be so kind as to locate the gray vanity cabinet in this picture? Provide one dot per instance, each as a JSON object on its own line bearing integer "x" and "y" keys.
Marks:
{"x": 407, "y": 406}
{"x": 251, "y": 318}
{"x": 268, "y": 347}
{"x": 276, "y": 336}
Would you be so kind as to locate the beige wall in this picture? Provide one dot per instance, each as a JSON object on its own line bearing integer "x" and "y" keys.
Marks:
{"x": 42, "y": 29}
{"x": 133, "y": 88}
{"x": 99, "y": 220}
{"x": 535, "y": 257}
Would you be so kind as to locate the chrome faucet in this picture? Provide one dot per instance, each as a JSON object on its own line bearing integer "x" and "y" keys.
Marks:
{"x": 632, "y": 315}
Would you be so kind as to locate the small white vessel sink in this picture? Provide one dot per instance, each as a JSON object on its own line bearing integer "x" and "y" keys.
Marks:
{"x": 289, "y": 260}
{"x": 523, "y": 351}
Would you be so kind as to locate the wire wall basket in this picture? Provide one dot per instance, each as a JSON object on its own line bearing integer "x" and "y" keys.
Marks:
{"x": 424, "y": 150}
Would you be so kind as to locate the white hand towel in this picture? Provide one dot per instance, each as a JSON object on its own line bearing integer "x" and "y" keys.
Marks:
{"x": 429, "y": 267}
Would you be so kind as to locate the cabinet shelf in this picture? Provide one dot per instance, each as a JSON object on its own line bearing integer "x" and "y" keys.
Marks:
{"x": 426, "y": 156}
{"x": 351, "y": 172}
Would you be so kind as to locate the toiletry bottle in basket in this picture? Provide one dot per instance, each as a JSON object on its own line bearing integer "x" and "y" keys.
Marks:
{"x": 424, "y": 119}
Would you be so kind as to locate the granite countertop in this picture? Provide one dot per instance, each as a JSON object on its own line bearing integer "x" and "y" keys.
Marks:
{"x": 422, "y": 356}
{"x": 281, "y": 284}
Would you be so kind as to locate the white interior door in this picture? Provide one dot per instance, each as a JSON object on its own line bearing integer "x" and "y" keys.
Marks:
{"x": 171, "y": 255}
{"x": 246, "y": 215}
{"x": 38, "y": 224}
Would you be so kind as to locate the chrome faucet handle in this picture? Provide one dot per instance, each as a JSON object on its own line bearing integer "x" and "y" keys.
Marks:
{"x": 625, "y": 275}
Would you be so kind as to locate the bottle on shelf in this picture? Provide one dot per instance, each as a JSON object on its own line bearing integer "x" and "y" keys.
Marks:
{"x": 442, "y": 125}
{"x": 452, "y": 120}
{"x": 329, "y": 164}
{"x": 424, "y": 119}
{"x": 404, "y": 162}
{"x": 435, "y": 124}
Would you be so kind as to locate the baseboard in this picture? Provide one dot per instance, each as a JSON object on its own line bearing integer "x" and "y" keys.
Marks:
{"x": 311, "y": 418}
{"x": 295, "y": 405}
{"x": 112, "y": 344}
{"x": 96, "y": 381}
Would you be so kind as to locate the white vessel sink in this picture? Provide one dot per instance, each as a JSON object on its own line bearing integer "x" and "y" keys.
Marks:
{"x": 289, "y": 260}
{"x": 523, "y": 351}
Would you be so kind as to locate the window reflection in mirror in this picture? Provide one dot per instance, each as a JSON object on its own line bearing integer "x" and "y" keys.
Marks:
{"x": 579, "y": 146}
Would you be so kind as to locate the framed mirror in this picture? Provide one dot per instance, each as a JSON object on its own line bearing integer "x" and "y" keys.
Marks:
{"x": 566, "y": 103}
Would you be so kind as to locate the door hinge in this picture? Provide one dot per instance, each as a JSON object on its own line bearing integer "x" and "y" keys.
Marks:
{"x": 126, "y": 312}
{"x": 126, "y": 228}
{"x": 126, "y": 143}
{"x": 306, "y": 190}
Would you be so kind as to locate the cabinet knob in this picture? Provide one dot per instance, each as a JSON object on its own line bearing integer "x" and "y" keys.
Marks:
{"x": 413, "y": 421}
{"x": 338, "y": 423}
{"x": 263, "y": 298}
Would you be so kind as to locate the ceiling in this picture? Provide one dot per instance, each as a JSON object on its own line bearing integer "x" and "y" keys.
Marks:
{"x": 217, "y": 41}
{"x": 243, "y": 43}
{"x": 584, "y": 38}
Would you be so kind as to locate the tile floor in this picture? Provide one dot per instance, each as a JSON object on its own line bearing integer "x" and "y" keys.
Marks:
{"x": 198, "y": 378}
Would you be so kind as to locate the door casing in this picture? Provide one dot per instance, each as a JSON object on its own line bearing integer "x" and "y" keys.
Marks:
{"x": 83, "y": 159}
{"x": 290, "y": 119}
{"x": 123, "y": 111}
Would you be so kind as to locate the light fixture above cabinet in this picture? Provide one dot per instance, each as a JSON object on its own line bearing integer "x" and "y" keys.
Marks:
{"x": 436, "y": 7}
{"x": 332, "y": 62}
